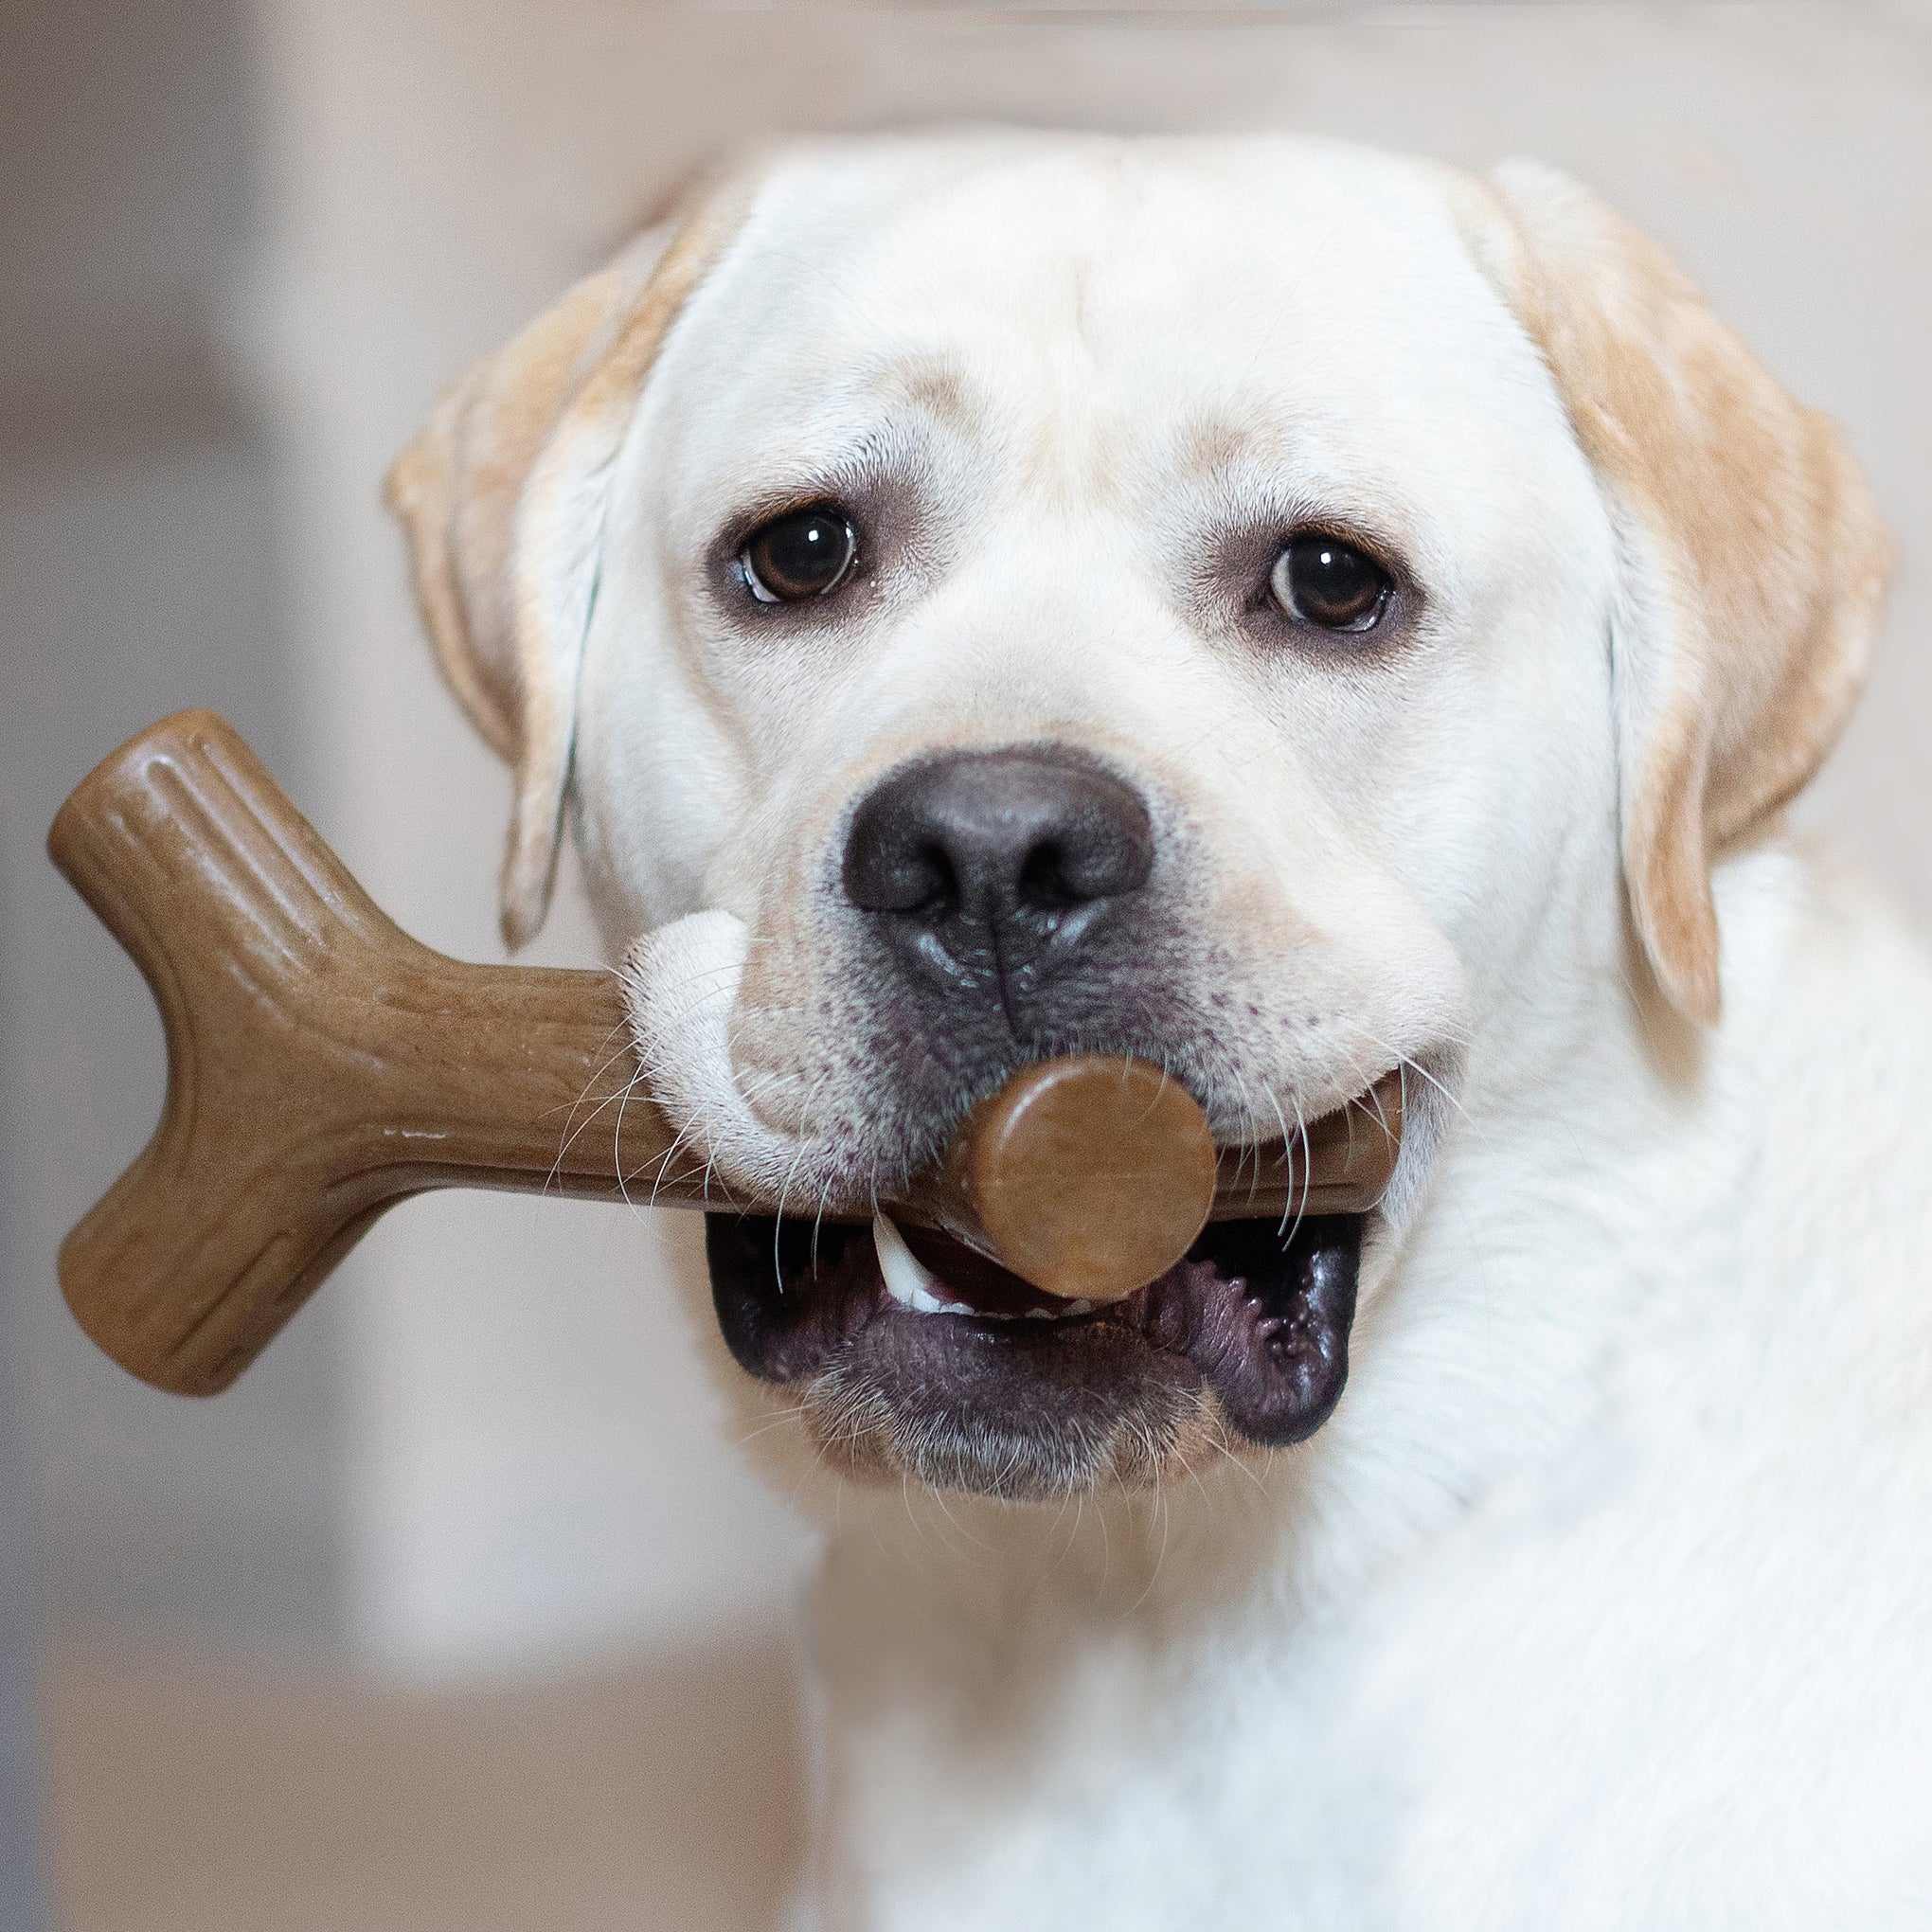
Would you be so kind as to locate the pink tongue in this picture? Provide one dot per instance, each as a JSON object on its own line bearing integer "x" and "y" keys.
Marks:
{"x": 969, "y": 1276}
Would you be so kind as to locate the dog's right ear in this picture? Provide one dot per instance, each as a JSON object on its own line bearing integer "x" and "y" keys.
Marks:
{"x": 502, "y": 497}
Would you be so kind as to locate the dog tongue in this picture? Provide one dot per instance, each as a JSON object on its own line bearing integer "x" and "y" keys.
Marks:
{"x": 980, "y": 1283}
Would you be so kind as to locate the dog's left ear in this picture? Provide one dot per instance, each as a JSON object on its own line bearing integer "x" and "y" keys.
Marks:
{"x": 502, "y": 496}
{"x": 1753, "y": 562}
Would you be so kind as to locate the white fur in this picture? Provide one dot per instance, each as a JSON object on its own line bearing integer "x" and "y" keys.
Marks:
{"x": 1605, "y": 1598}
{"x": 1602, "y": 1601}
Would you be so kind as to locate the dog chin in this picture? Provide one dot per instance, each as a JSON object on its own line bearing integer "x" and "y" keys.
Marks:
{"x": 914, "y": 1356}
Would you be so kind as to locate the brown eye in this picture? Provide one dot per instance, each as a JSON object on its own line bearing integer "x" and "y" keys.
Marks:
{"x": 1319, "y": 580}
{"x": 803, "y": 553}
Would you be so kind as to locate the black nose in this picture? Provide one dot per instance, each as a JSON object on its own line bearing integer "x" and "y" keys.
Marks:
{"x": 992, "y": 868}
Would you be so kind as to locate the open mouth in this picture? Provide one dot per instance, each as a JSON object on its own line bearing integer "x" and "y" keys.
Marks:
{"x": 918, "y": 1355}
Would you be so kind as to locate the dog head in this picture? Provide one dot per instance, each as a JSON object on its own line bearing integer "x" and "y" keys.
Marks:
{"x": 1256, "y": 605}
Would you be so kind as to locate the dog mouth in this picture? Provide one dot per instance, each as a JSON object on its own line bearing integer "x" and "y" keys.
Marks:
{"x": 915, "y": 1355}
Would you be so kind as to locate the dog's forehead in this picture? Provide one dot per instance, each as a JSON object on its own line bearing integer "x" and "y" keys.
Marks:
{"x": 1160, "y": 282}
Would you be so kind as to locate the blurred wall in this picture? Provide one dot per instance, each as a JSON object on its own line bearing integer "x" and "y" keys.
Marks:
{"x": 489, "y": 1441}
{"x": 22, "y": 1893}
{"x": 140, "y": 559}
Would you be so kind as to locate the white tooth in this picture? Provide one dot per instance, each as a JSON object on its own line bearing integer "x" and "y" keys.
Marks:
{"x": 908, "y": 1280}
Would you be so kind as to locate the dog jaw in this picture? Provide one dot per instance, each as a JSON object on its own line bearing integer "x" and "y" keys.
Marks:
{"x": 1243, "y": 1345}
{"x": 1241, "y": 1348}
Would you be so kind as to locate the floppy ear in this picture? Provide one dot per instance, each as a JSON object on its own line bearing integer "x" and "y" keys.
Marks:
{"x": 1752, "y": 559}
{"x": 502, "y": 497}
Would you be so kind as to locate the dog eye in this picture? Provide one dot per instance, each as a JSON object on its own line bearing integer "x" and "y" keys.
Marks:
{"x": 803, "y": 553}
{"x": 1319, "y": 580}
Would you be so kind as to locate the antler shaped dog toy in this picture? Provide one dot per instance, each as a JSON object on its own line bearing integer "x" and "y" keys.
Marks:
{"x": 322, "y": 1064}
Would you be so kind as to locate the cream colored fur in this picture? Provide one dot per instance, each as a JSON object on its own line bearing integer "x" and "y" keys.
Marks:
{"x": 1605, "y": 1598}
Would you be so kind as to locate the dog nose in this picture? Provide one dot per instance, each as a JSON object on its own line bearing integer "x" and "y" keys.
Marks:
{"x": 987, "y": 868}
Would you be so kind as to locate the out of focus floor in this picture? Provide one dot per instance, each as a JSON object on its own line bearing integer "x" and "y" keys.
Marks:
{"x": 191, "y": 1797}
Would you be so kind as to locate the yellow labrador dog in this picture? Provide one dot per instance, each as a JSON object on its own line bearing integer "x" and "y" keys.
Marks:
{"x": 1290, "y": 612}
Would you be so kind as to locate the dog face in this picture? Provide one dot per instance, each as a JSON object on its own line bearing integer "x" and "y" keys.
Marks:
{"x": 1243, "y": 604}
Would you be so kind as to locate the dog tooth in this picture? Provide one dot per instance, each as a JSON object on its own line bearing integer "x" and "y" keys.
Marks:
{"x": 908, "y": 1280}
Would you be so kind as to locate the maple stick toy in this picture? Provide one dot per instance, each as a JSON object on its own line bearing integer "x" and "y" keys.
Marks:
{"x": 322, "y": 1064}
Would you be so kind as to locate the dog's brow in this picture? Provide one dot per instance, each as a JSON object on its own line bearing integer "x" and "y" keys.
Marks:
{"x": 1210, "y": 445}
{"x": 932, "y": 385}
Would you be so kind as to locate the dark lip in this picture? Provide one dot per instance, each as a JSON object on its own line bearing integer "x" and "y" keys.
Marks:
{"x": 1256, "y": 1318}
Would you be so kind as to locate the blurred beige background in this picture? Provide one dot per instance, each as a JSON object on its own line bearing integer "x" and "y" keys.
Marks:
{"x": 462, "y": 1610}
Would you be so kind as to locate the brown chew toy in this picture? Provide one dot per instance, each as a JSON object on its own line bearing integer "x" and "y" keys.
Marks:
{"x": 1087, "y": 1176}
{"x": 322, "y": 1064}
